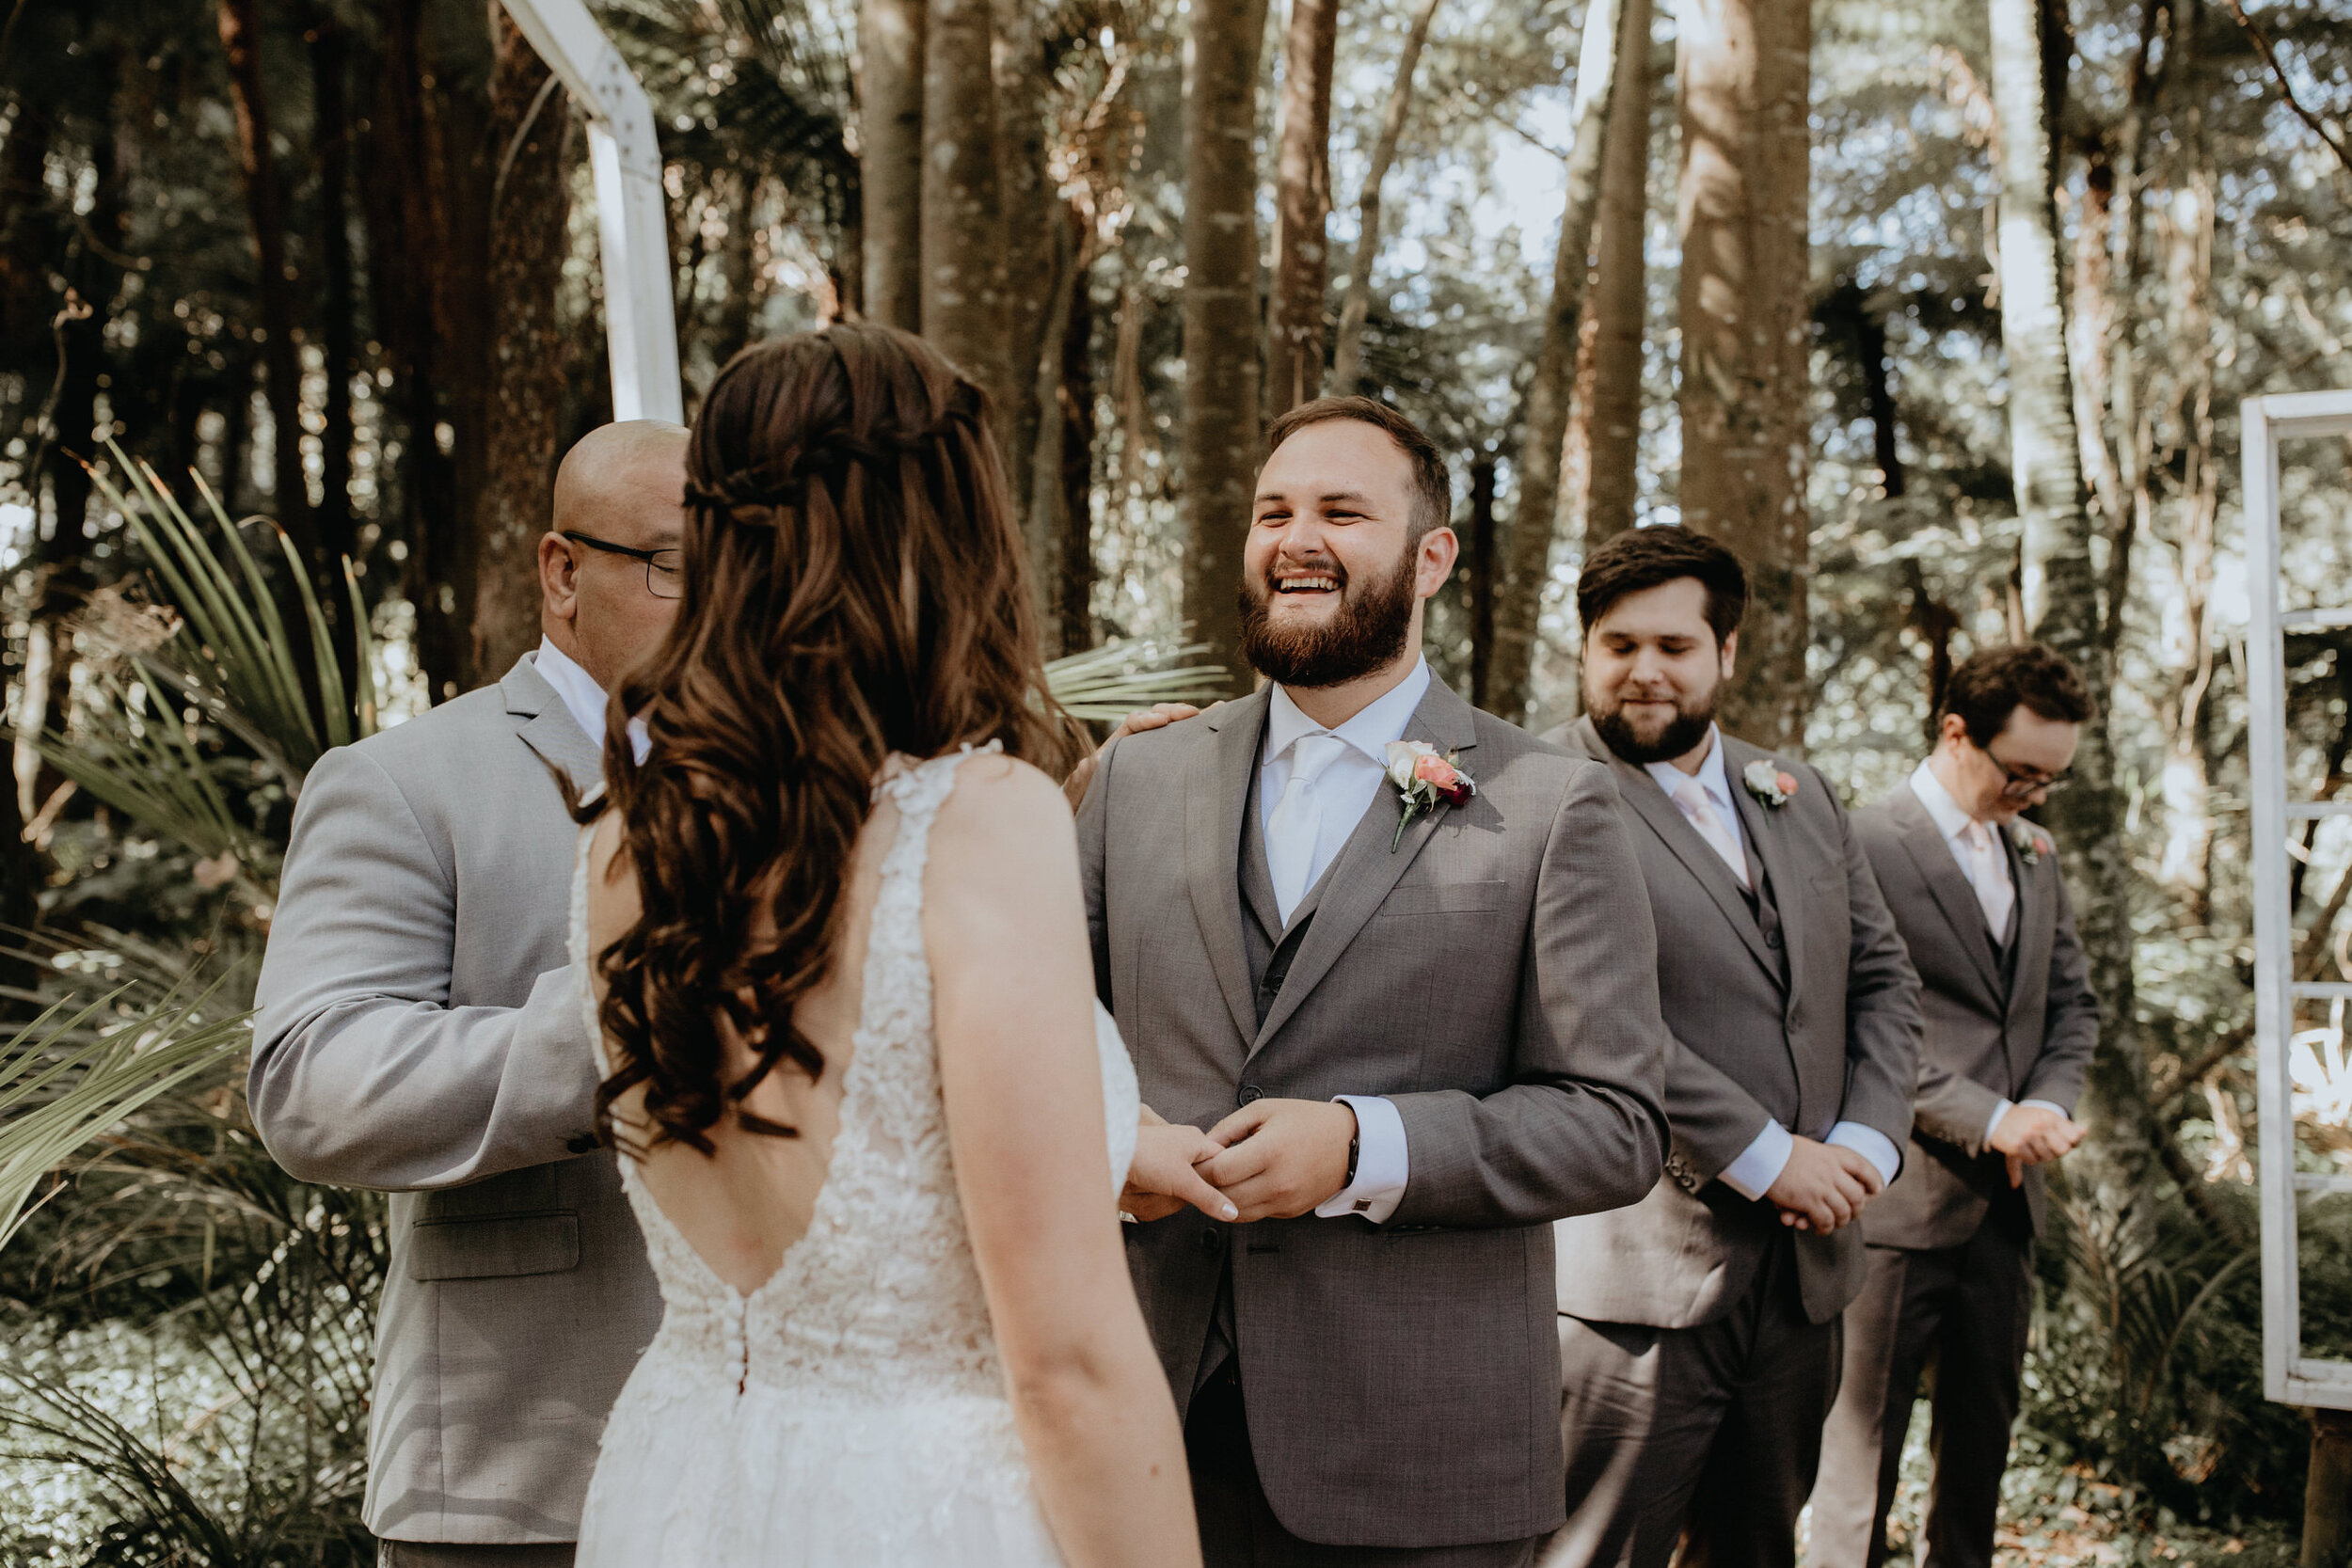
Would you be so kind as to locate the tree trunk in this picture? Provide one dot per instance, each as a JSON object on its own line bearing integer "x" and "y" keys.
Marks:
{"x": 963, "y": 227}
{"x": 1519, "y": 595}
{"x": 281, "y": 366}
{"x": 1600, "y": 463}
{"x": 2327, "y": 1492}
{"x": 1742, "y": 68}
{"x": 529, "y": 242}
{"x": 1302, "y": 205}
{"x": 2108, "y": 1181}
{"x": 1347, "y": 355}
{"x": 330, "y": 135}
{"x": 1076, "y": 412}
{"x": 1219, "y": 436}
{"x": 1479, "y": 560}
{"x": 890, "y": 158}
{"x": 732, "y": 329}
{"x": 1034, "y": 226}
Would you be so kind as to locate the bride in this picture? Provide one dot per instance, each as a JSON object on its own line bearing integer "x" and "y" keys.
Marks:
{"x": 874, "y": 1118}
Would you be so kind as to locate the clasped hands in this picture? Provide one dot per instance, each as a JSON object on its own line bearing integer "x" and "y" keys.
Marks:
{"x": 2032, "y": 1135}
{"x": 1272, "y": 1159}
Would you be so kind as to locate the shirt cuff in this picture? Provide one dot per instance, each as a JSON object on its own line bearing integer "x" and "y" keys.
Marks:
{"x": 1382, "y": 1164}
{"x": 1872, "y": 1144}
{"x": 2000, "y": 1108}
{"x": 1761, "y": 1164}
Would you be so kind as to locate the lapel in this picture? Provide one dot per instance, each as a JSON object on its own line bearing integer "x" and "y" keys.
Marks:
{"x": 2036, "y": 922}
{"x": 1365, "y": 870}
{"x": 1674, "y": 831}
{"x": 1217, "y": 792}
{"x": 548, "y": 726}
{"x": 1768, "y": 835}
{"x": 1923, "y": 841}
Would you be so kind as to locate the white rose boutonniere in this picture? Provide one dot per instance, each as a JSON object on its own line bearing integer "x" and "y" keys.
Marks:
{"x": 2031, "y": 842}
{"x": 1771, "y": 786}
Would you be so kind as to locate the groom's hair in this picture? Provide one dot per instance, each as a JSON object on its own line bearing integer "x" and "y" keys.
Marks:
{"x": 1994, "y": 683}
{"x": 1646, "y": 558}
{"x": 1433, "y": 490}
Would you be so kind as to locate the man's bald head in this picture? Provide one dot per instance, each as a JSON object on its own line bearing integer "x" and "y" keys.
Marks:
{"x": 634, "y": 466}
{"x": 624, "y": 488}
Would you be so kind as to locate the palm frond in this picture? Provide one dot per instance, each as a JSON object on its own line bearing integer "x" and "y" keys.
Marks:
{"x": 141, "y": 758}
{"x": 1114, "y": 680}
{"x": 74, "y": 1072}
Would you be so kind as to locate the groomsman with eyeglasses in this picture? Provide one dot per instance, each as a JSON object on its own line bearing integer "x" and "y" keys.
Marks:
{"x": 2010, "y": 1023}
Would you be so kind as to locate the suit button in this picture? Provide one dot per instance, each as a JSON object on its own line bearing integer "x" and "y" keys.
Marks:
{"x": 1248, "y": 1092}
{"x": 1772, "y": 938}
{"x": 585, "y": 1143}
{"x": 1213, "y": 1242}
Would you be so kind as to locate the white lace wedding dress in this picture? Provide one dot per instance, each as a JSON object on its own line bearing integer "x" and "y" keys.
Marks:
{"x": 849, "y": 1413}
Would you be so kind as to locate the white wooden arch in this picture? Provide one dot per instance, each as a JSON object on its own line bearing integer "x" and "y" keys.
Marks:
{"x": 2288, "y": 1373}
{"x": 632, "y": 219}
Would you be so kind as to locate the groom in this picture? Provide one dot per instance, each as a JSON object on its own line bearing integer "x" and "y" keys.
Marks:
{"x": 1420, "y": 1029}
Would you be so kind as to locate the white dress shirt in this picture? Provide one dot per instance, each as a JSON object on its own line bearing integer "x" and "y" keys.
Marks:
{"x": 1345, "y": 792}
{"x": 583, "y": 699}
{"x": 1953, "y": 822}
{"x": 1759, "y": 1164}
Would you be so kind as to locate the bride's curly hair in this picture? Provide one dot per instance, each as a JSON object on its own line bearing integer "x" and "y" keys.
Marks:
{"x": 854, "y": 587}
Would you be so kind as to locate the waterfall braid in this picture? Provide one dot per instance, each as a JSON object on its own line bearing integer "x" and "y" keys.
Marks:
{"x": 853, "y": 586}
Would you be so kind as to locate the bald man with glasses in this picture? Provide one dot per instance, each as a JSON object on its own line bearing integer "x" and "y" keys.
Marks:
{"x": 2011, "y": 1024}
{"x": 420, "y": 1035}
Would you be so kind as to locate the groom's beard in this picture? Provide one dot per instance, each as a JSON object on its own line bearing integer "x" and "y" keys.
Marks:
{"x": 1677, "y": 737}
{"x": 1369, "y": 631}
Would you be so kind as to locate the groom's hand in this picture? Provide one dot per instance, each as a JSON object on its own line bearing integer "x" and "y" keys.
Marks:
{"x": 1824, "y": 1186}
{"x": 1158, "y": 716}
{"x": 1282, "y": 1157}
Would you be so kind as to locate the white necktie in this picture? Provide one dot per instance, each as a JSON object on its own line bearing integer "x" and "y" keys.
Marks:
{"x": 1699, "y": 807}
{"x": 1990, "y": 878}
{"x": 1296, "y": 826}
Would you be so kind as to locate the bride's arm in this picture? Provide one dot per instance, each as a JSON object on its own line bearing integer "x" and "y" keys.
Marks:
{"x": 1013, "y": 1004}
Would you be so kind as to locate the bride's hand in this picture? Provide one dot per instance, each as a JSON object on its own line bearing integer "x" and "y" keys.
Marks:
{"x": 1158, "y": 716}
{"x": 1161, "y": 1179}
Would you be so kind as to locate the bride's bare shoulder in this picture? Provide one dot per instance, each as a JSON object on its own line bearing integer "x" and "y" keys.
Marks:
{"x": 1001, "y": 807}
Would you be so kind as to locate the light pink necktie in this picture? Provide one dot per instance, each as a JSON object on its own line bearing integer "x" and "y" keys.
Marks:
{"x": 1699, "y": 807}
{"x": 1990, "y": 876}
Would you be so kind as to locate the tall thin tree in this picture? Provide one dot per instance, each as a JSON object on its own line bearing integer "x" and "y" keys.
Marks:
{"x": 1302, "y": 208}
{"x": 281, "y": 364}
{"x": 1605, "y": 420}
{"x": 1220, "y": 438}
{"x": 2110, "y": 1179}
{"x": 530, "y": 125}
{"x": 1033, "y": 225}
{"x": 963, "y": 222}
{"x": 890, "y": 157}
{"x": 1544, "y": 418}
{"x": 1742, "y": 70}
{"x": 1347, "y": 353}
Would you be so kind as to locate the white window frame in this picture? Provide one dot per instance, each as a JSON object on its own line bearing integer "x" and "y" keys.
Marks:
{"x": 2288, "y": 1374}
{"x": 632, "y": 216}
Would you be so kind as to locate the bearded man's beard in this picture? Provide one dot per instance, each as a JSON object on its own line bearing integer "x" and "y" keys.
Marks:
{"x": 1679, "y": 737}
{"x": 1369, "y": 631}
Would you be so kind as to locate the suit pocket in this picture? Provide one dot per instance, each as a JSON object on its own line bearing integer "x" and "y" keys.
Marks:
{"x": 501, "y": 1247}
{"x": 1444, "y": 897}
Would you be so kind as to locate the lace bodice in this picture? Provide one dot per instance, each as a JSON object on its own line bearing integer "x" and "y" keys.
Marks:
{"x": 881, "y": 1299}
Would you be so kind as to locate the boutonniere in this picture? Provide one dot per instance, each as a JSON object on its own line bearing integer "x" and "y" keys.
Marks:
{"x": 1424, "y": 781}
{"x": 2032, "y": 843}
{"x": 1768, "y": 784}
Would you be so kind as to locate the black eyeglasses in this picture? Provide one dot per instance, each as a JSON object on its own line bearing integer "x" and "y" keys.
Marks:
{"x": 2023, "y": 782}
{"x": 662, "y": 579}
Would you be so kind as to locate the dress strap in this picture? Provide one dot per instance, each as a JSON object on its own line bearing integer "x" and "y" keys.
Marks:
{"x": 897, "y": 1001}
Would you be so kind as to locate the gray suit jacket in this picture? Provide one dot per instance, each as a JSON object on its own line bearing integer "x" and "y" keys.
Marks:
{"x": 2013, "y": 1025}
{"x": 1810, "y": 1023}
{"x": 1494, "y": 976}
{"x": 418, "y": 1034}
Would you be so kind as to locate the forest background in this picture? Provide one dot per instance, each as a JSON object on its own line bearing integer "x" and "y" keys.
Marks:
{"x": 1939, "y": 310}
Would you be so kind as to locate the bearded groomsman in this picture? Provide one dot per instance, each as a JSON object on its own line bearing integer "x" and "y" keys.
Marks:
{"x": 1699, "y": 1328}
{"x": 2011, "y": 1024}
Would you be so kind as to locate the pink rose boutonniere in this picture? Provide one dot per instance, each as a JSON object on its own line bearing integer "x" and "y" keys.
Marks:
{"x": 1766, "y": 781}
{"x": 2032, "y": 843}
{"x": 1425, "y": 781}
